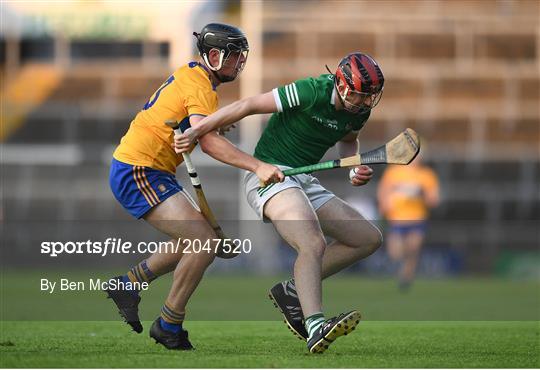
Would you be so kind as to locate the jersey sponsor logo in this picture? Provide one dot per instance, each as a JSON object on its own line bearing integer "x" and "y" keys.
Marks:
{"x": 292, "y": 95}
{"x": 330, "y": 123}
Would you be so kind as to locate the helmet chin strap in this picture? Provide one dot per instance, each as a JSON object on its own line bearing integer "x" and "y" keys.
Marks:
{"x": 220, "y": 64}
{"x": 341, "y": 98}
{"x": 215, "y": 70}
{"x": 343, "y": 102}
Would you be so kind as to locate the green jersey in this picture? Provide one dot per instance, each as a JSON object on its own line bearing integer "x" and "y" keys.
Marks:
{"x": 307, "y": 123}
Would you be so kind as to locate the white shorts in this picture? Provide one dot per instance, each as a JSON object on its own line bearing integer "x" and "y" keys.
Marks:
{"x": 257, "y": 197}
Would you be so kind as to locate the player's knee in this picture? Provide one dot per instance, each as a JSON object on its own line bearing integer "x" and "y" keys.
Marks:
{"x": 201, "y": 258}
{"x": 371, "y": 241}
{"x": 376, "y": 239}
{"x": 314, "y": 247}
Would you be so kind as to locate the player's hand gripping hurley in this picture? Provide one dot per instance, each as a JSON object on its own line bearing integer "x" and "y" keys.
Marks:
{"x": 400, "y": 150}
{"x": 203, "y": 203}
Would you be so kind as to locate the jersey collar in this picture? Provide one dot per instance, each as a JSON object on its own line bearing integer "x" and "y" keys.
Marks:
{"x": 203, "y": 67}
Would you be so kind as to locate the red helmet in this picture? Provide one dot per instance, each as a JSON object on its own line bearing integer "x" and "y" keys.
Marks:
{"x": 359, "y": 82}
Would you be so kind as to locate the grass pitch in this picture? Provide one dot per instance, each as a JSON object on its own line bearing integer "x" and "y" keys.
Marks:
{"x": 454, "y": 323}
{"x": 269, "y": 344}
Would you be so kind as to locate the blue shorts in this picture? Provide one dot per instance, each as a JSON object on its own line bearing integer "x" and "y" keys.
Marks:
{"x": 406, "y": 228}
{"x": 139, "y": 188}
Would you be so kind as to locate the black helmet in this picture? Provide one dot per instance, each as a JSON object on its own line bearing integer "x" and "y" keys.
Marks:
{"x": 227, "y": 39}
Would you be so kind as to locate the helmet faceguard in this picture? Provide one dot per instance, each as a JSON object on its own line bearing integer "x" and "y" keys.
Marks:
{"x": 232, "y": 45}
{"x": 359, "y": 83}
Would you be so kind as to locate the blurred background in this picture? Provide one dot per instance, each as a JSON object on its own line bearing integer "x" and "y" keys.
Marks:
{"x": 464, "y": 74}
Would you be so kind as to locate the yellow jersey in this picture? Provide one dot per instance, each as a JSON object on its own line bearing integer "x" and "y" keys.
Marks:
{"x": 407, "y": 186}
{"x": 148, "y": 142}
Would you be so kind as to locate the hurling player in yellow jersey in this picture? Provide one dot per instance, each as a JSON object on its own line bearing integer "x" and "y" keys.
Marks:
{"x": 406, "y": 193}
{"x": 142, "y": 178}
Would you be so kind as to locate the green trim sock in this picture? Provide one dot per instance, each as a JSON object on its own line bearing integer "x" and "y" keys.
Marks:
{"x": 314, "y": 323}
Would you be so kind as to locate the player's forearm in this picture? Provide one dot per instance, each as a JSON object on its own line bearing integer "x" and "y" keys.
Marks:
{"x": 225, "y": 116}
{"x": 258, "y": 104}
{"x": 224, "y": 151}
{"x": 347, "y": 148}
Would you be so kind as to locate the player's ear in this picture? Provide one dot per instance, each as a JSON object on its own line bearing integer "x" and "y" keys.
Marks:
{"x": 213, "y": 57}
{"x": 340, "y": 86}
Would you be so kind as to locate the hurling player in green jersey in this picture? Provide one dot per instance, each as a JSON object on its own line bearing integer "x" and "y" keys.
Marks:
{"x": 309, "y": 117}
